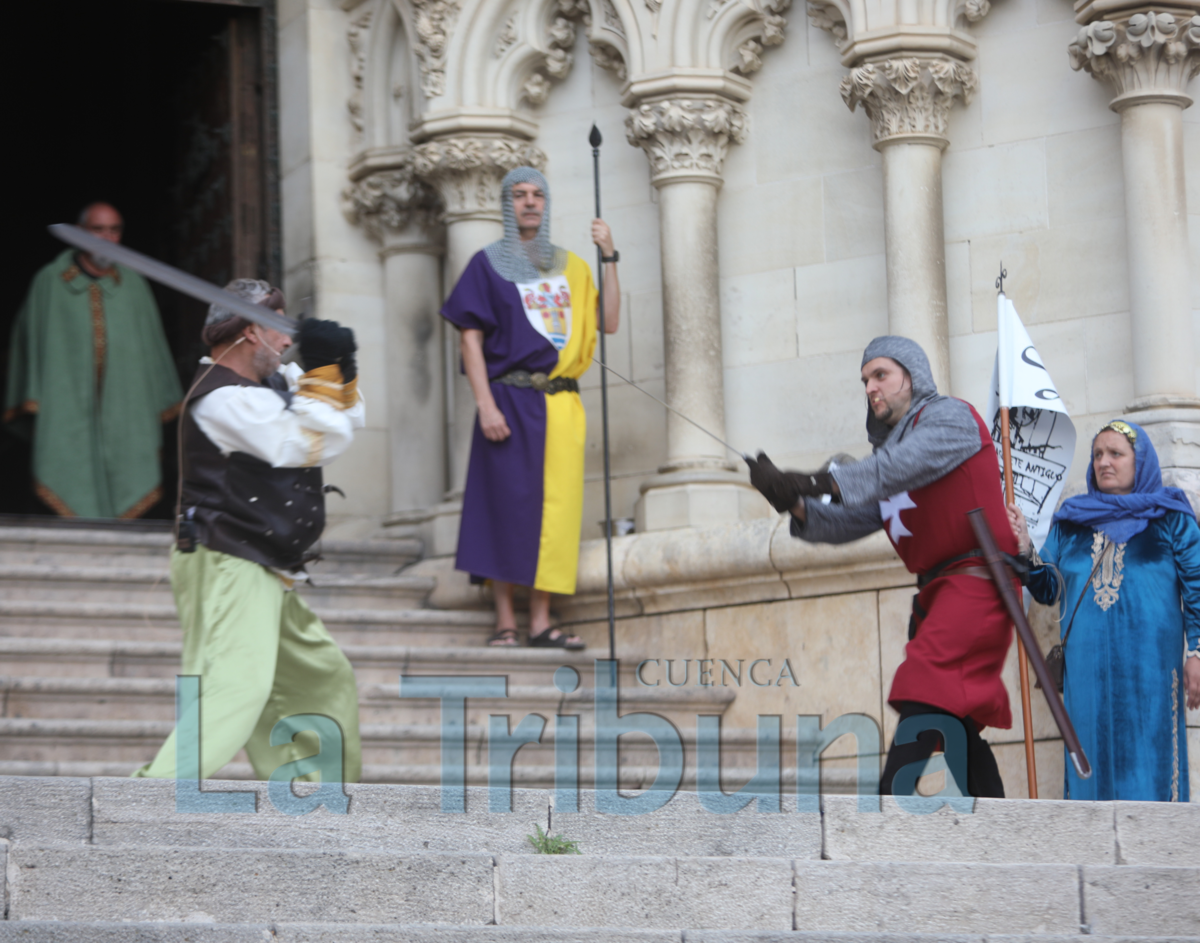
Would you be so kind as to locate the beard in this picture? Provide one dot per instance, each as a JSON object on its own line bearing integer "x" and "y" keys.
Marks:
{"x": 265, "y": 362}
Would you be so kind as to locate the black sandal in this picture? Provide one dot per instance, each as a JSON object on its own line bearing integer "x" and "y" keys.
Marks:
{"x": 503, "y": 638}
{"x": 555, "y": 638}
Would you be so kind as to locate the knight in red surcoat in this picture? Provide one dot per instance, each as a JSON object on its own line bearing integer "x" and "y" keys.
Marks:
{"x": 933, "y": 461}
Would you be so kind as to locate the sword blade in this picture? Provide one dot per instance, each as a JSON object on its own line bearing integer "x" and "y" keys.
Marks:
{"x": 742, "y": 455}
{"x": 173, "y": 278}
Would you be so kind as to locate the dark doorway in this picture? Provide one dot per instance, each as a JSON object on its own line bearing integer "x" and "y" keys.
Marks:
{"x": 166, "y": 109}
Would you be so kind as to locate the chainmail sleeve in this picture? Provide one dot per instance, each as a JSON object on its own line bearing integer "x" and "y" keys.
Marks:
{"x": 835, "y": 523}
{"x": 944, "y": 438}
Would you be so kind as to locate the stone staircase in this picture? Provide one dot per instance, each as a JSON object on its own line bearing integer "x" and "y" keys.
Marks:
{"x": 90, "y": 860}
{"x": 88, "y": 650}
{"x": 89, "y": 646}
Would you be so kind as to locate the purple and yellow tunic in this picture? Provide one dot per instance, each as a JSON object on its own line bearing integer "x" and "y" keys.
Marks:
{"x": 523, "y": 504}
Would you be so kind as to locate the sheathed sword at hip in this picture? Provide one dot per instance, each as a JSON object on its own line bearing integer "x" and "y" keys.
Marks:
{"x": 172, "y": 277}
{"x": 1002, "y": 577}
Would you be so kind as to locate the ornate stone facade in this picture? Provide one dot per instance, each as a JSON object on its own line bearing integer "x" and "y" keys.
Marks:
{"x": 357, "y": 36}
{"x": 751, "y": 276}
{"x": 560, "y": 40}
{"x": 435, "y": 21}
{"x": 772, "y": 24}
{"x": 1150, "y": 54}
{"x": 608, "y": 58}
{"x": 467, "y": 169}
{"x": 908, "y": 97}
{"x": 686, "y": 137}
{"x": 389, "y": 201}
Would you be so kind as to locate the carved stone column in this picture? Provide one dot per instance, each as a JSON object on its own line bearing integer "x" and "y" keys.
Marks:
{"x": 466, "y": 171}
{"x": 686, "y": 139}
{"x": 908, "y": 101}
{"x": 1148, "y": 59}
{"x": 402, "y": 214}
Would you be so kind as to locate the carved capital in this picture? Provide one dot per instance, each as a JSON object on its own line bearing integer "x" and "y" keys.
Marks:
{"x": 388, "y": 201}
{"x": 1147, "y": 56}
{"x": 466, "y": 170}
{"x": 686, "y": 138}
{"x": 908, "y": 98}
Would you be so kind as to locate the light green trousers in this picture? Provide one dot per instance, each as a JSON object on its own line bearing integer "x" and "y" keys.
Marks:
{"x": 262, "y": 655}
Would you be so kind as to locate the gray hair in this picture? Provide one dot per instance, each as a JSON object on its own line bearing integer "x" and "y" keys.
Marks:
{"x": 519, "y": 261}
{"x": 222, "y": 324}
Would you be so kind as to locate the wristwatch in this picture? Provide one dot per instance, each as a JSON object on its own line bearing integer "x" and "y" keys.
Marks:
{"x": 615, "y": 257}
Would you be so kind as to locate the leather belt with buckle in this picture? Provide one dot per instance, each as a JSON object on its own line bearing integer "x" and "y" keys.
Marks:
{"x": 523, "y": 379}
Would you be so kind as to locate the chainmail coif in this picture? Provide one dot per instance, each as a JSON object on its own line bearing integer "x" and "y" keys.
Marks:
{"x": 519, "y": 261}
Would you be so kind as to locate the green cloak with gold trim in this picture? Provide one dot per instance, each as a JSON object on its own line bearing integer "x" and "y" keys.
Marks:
{"x": 90, "y": 376}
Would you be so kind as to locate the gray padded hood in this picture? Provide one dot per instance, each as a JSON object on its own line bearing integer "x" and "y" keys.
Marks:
{"x": 912, "y": 358}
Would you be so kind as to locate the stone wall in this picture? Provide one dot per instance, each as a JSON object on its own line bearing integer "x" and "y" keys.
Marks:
{"x": 749, "y": 591}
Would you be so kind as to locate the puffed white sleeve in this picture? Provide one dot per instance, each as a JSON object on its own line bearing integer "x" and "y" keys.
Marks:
{"x": 312, "y": 430}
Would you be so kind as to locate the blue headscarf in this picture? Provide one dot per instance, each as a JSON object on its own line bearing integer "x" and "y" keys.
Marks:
{"x": 1122, "y": 516}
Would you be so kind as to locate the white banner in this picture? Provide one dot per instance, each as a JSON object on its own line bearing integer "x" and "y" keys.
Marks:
{"x": 1041, "y": 432}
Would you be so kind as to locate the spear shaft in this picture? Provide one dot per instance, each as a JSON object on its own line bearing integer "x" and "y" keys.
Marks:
{"x": 595, "y": 140}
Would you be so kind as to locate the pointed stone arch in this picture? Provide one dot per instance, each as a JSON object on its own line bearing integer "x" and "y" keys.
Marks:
{"x": 386, "y": 74}
{"x": 637, "y": 38}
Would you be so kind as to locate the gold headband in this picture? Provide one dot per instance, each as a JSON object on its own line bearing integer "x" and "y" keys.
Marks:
{"x": 1122, "y": 427}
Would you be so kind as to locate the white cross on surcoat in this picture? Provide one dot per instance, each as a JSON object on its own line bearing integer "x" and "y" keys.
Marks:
{"x": 890, "y": 511}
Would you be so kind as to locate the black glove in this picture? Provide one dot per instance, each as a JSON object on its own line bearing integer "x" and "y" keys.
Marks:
{"x": 783, "y": 489}
{"x": 326, "y": 342}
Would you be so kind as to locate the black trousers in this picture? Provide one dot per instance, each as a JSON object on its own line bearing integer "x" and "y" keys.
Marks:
{"x": 983, "y": 775}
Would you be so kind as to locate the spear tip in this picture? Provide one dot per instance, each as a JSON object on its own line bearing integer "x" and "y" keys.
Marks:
{"x": 594, "y": 138}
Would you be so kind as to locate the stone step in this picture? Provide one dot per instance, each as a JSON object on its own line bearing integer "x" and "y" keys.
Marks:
{"x": 150, "y": 622}
{"x": 109, "y": 932}
{"x": 151, "y": 585}
{"x": 118, "y": 699}
{"x": 405, "y": 736}
{"x": 117, "y": 544}
{"x": 632, "y": 777}
{"x": 408, "y": 818}
{"x": 664, "y": 892}
{"x": 121, "y": 546}
{"x": 81, "y": 853}
{"x": 381, "y": 664}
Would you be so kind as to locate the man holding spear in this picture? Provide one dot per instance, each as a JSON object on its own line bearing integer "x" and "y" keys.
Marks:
{"x": 526, "y": 310}
{"x": 933, "y": 462}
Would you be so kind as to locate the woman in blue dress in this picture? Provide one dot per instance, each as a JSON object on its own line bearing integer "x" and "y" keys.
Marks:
{"x": 1128, "y": 553}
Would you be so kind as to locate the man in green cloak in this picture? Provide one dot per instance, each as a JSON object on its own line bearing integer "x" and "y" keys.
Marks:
{"x": 91, "y": 380}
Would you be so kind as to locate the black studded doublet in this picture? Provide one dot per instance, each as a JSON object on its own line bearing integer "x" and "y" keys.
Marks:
{"x": 242, "y": 505}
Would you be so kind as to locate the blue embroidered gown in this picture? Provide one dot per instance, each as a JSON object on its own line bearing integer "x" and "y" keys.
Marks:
{"x": 1124, "y": 687}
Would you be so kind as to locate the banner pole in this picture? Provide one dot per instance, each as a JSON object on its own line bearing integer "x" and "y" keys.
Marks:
{"x": 1022, "y": 658}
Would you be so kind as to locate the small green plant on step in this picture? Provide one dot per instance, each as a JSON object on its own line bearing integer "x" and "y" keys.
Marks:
{"x": 544, "y": 844}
